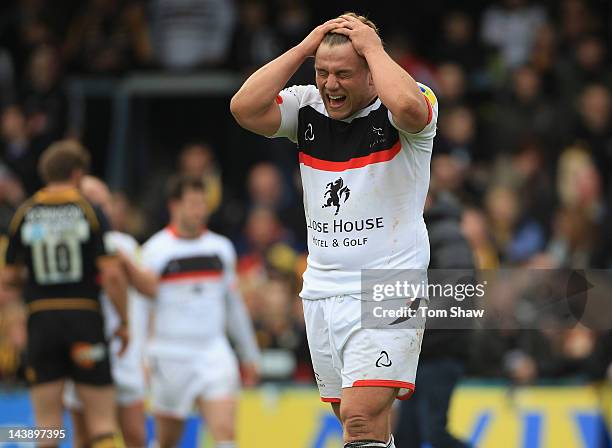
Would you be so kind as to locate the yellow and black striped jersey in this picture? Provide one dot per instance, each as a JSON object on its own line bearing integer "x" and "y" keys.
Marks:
{"x": 59, "y": 237}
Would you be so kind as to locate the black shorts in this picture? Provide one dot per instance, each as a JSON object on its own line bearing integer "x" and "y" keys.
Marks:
{"x": 67, "y": 344}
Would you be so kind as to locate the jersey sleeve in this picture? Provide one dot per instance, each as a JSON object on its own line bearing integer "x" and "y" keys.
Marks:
{"x": 289, "y": 101}
{"x": 149, "y": 256}
{"x": 230, "y": 276}
{"x": 423, "y": 139}
{"x": 238, "y": 323}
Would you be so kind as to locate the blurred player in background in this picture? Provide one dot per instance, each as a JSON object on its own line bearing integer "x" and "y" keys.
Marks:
{"x": 191, "y": 359}
{"x": 364, "y": 135}
{"x": 59, "y": 239}
{"x": 127, "y": 369}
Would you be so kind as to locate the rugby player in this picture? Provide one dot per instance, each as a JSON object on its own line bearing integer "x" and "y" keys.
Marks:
{"x": 127, "y": 369}
{"x": 364, "y": 136}
{"x": 58, "y": 239}
{"x": 191, "y": 359}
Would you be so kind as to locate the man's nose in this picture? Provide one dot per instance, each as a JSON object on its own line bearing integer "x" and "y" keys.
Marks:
{"x": 332, "y": 82}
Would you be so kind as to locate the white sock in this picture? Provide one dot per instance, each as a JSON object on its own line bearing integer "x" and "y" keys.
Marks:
{"x": 231, "y": 444}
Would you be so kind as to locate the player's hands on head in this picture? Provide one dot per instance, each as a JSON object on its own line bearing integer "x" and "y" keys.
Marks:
{"x": 361, "y": 35}
{"x": 311, "y": 42}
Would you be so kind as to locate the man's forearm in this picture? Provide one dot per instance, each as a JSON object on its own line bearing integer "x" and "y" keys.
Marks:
{"x": 260, "y": 90}
{"x": 116, "y": 287}
{"x": 397, "y": 90}
{"x": 145, "y": 281}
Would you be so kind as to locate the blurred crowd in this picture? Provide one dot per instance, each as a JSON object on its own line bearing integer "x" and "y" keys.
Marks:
{"x": 524, "y": 145}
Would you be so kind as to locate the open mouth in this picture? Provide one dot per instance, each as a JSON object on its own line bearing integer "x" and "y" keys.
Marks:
{"x": 336, "y": 101}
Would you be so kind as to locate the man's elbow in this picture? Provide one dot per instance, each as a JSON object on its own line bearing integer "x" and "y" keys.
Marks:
{"x": 237, "y": 108}
{"x": 414, "y": 113}
{"x": 150, "y": 288}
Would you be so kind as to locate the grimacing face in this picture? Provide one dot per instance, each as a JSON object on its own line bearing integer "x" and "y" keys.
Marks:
{"x": 343, "y": 79}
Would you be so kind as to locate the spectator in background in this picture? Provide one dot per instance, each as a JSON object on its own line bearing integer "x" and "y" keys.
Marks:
{"x": 402, "y": 50}
{"x": 19, "y": 150}
{"x": 195, "y": 160}
{"x": 254, "y": 42}
{"x": 517, "y": 236}
{"x": 511, "y": 26}
{"x": 263, "y": 233}
{"x": 594, "y": 128}
{"x": 23, "y": 28}
{"x": 475, "y": 228}
{"x": 459, "y": 45}
{"x": 543, "y": 58}
{"x": 108, "y": 37}
{"x": 581, "y": 224}
{"x": 43, "y": 98}
{"x": 281, "y": 335}
{"x": 522, "y": 111}
{"x": 528, "y": 171}
{"x": 448, "y": 174}
{"x": 458, "y": 135}
{"x": 7, "y": 78}
{"x": 190, "y": 34}
{"x": 576, "y": 21}
{"x": 450, "y": 78}
{"x": 267, "y": 188}
{"x": 12, "y": 193}
{"x": 586, "y": 64}
{"x": 292, "y": 22}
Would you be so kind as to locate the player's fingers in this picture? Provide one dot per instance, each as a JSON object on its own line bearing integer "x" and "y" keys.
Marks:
{"x": 342, "y": 30}
{"x": 348, "y": 24}
{"x": 350, "y": 18}
{"x": 335, "y": 21}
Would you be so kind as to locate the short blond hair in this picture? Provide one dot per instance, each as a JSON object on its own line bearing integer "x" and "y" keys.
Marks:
{"x": 333, "y": 39}
{"x": 59, "y": 160}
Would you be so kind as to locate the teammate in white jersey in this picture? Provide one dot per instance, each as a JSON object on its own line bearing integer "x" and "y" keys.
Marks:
{"x": 126, "y": 367}
{"x": 364, "y": 136}
{"x": 191, "y": 359}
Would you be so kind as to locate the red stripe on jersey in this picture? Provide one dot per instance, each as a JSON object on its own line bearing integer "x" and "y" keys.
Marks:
{"x": 174, "y": 232}
{"x": 193, "y": 275}
{"x": 356, "y": 162}
{"x": 279, "y": 99}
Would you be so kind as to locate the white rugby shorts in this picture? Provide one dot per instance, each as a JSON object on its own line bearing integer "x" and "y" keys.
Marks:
{"x": 180, "y": 377}
{"x": 346, "y": 355}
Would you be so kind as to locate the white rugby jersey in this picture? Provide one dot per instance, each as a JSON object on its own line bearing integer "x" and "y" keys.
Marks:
{"x": 138, "y": 307}
{"x": 195, "y": 277}
{"x": 365, "y": 182}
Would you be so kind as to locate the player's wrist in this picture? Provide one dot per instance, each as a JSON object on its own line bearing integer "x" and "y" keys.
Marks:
{"x": 372, "y": 50}
{"x": 301, "y": 52}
